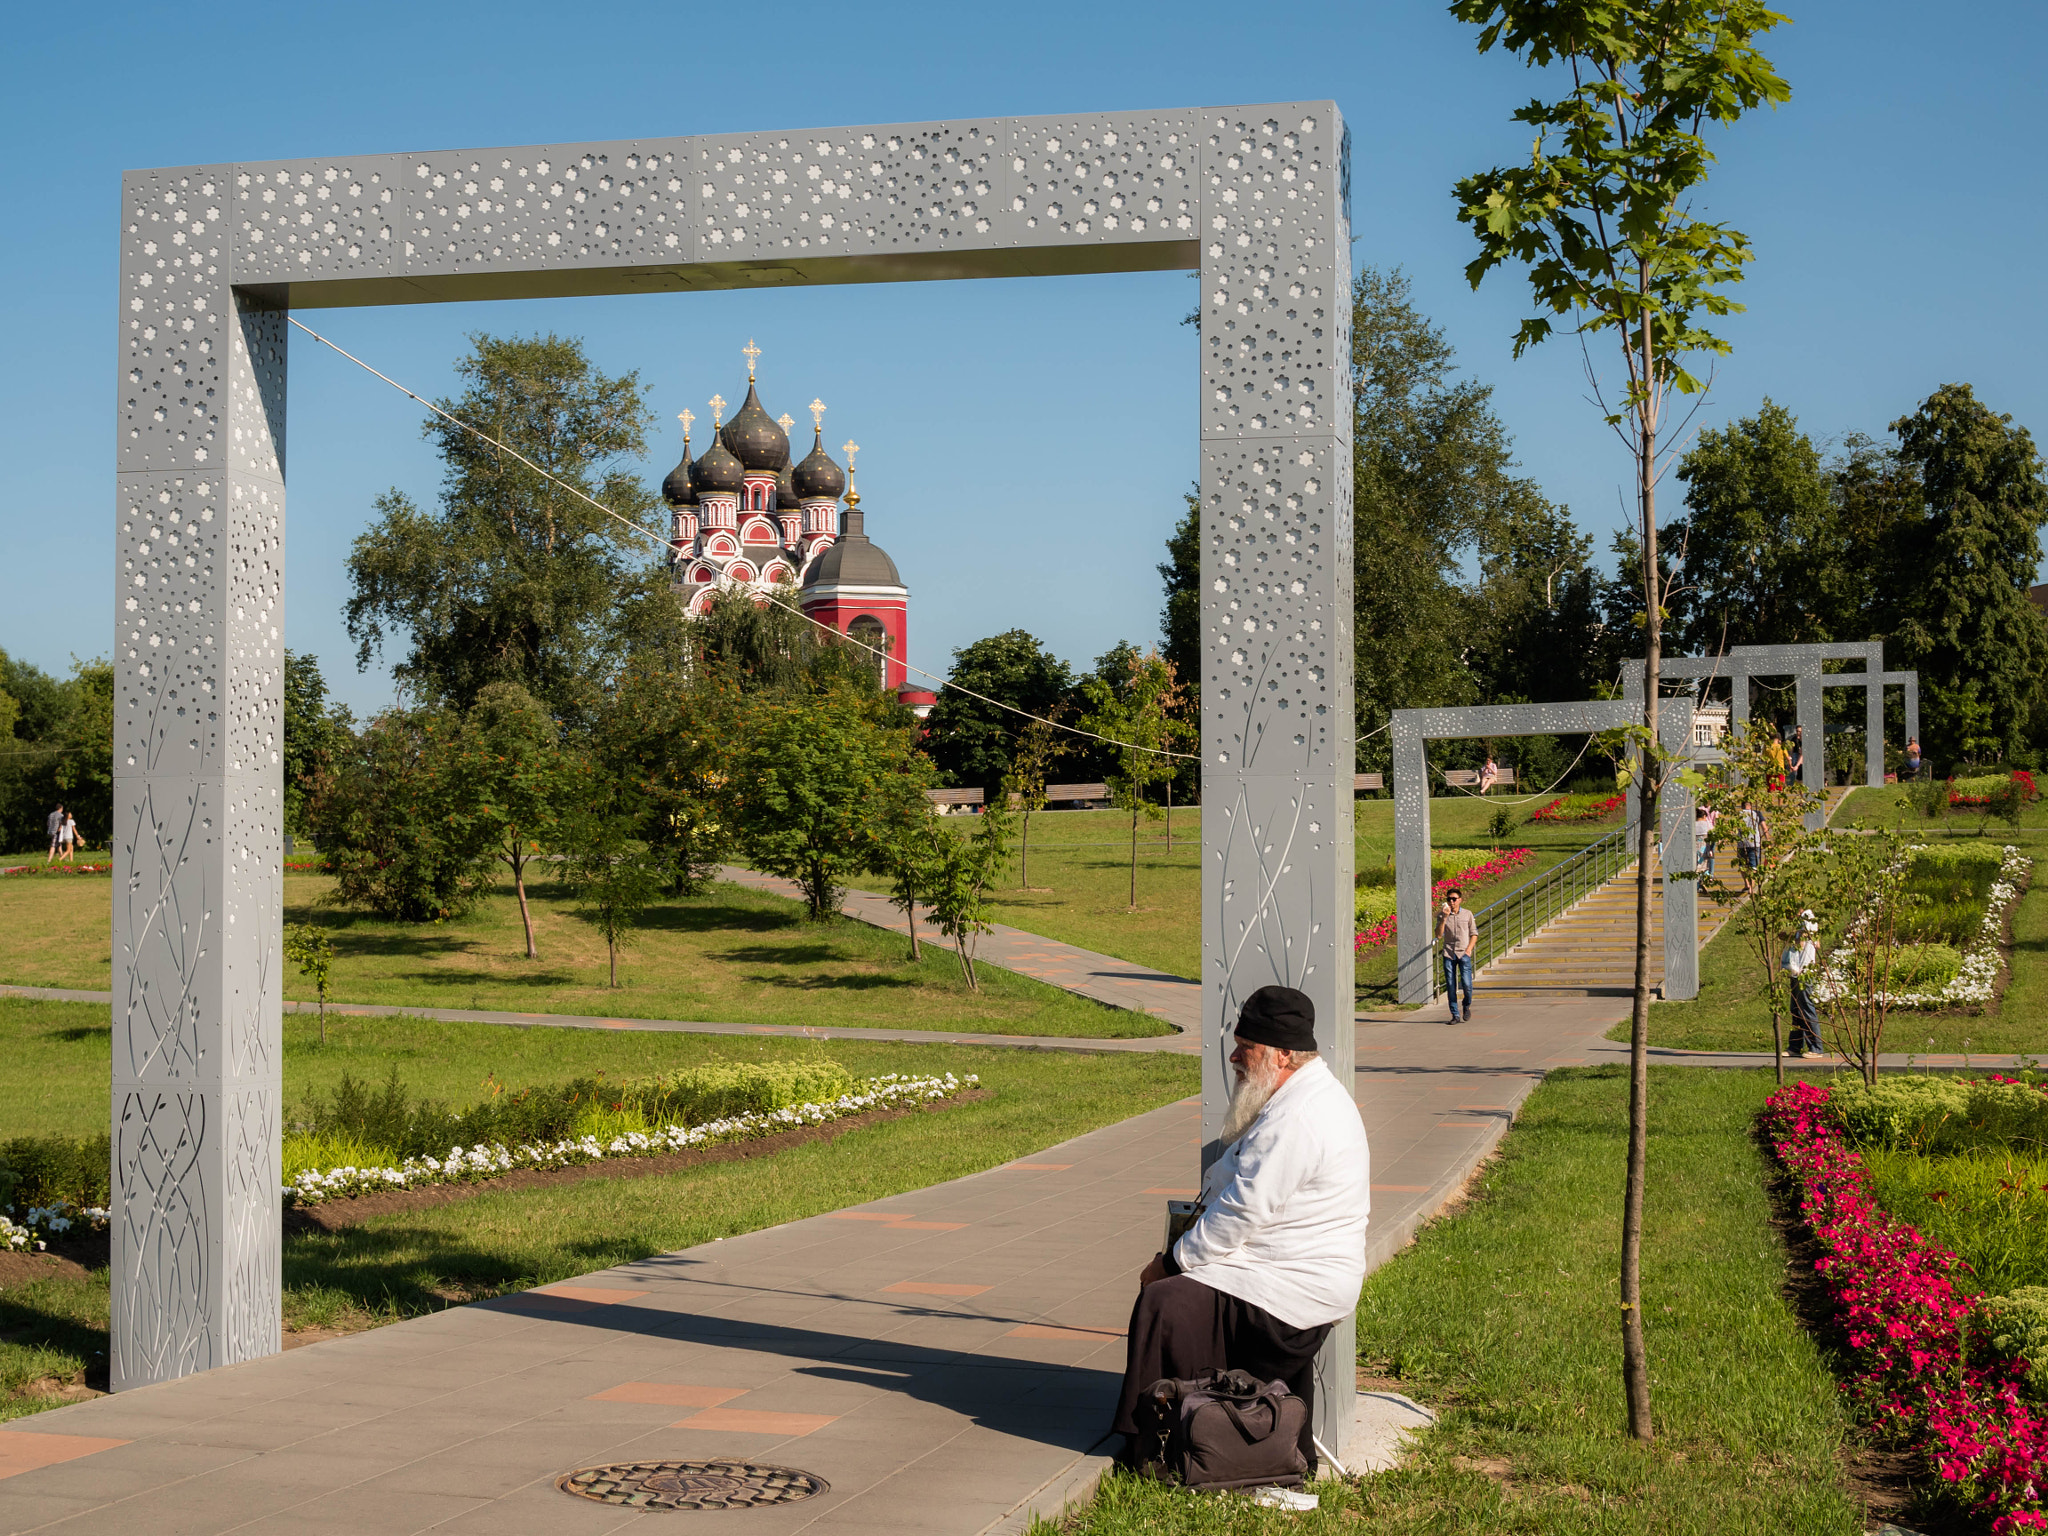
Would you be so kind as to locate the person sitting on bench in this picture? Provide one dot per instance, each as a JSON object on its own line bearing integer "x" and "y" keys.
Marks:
{"x": 1277, "y": 1254}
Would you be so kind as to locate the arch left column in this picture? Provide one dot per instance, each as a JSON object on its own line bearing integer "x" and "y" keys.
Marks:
{"x": 198, "y": 738}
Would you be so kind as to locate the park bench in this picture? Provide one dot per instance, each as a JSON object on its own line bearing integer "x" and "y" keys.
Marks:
{"x": 1088, "y": 796}
{"x": 947, "y": 799}
{"x": 1368, "y": 781}
{"x": 1468, "y": 778}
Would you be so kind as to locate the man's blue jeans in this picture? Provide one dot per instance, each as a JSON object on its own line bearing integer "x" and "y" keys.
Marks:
{"x": 1457, "y": 976}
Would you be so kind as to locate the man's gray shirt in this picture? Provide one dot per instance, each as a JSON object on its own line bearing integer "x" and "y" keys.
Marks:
{"x": 56, "y": 824}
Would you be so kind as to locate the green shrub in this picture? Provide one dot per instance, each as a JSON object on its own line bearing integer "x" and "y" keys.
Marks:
{"x": 694, "y": 1095}
{"x": 47, "y": 1170}
{"x": 1985, "y": 1205}
{"x": 1371, "y": 903}
{"x": 1924, "y": 967}
{"x": 2017, "y": 1325}
{"x": 311, "y": 1152}
{"x": 357, "y": 1121}
{"x": 1935, "y": 1115}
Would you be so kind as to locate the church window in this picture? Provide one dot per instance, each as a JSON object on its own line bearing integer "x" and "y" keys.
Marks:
{"x": 867, "y": 629}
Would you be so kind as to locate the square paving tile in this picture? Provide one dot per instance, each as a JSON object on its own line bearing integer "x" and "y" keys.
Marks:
{"x": 750, "y": 1421}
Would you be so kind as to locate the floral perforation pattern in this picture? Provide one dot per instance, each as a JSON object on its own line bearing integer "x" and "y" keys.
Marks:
{"x": 1129, "y": 177}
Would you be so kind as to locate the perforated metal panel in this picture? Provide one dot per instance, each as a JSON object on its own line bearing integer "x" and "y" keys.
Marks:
{"x": 213, "y": 257}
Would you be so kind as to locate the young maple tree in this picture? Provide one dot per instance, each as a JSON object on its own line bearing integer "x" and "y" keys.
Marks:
{"x": 1602, "y": 218}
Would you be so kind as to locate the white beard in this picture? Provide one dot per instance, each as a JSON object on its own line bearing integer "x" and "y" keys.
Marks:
{"x": 1248, "y": 1096}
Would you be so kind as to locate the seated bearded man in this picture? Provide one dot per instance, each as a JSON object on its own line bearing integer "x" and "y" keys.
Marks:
{"x": 1277, "y": 1255}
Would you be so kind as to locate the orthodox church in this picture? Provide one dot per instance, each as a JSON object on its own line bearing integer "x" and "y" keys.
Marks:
{"x": 747, "y": 519}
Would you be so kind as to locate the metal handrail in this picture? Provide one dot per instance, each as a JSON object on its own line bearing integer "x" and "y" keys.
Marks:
{"x": 1511, "y": 920}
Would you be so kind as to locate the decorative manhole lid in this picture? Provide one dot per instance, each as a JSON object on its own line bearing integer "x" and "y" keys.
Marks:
{"x": 691, "y": 1484}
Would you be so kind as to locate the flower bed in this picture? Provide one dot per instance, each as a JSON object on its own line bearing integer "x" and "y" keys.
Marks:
{"x": 1975, "y": 980}
{"x": 1579, "y": 808}
{"x": 466, "y": 1165}
{"x": 1978, "y": 793}
{"x": 1495, "y": 868}
{"x": 1922, "y": 1373}
{"x": 46, "y": 1221}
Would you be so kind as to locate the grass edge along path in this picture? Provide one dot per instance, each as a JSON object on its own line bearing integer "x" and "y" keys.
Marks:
{"x": 1501, "y": 1316}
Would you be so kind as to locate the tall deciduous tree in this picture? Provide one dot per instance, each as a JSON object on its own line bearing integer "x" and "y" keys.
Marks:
{"x": 1759, "y": 535}
{"x": 1141, "y": 721}
{"x": 972, "y": 743}
{"x": 516, "y": 782}
{"x": 1603, "y": 218}
{"x": 1963, "y": 569}
{"x": 808, "y": 781}
{"x": 512, "y": 578}
{"x": 314, "y": 731}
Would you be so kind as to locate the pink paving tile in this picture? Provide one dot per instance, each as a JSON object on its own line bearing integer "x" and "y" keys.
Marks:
{"x": 1178, "y": 1194}
{"x": 1482, "y": 1106}
{"x": 1460, "y": 1125}
{"x": 1048, "y": 1331}
{"x": 935, "y": 1288}
{"x": 926, "y": 1226}
{"x": 1402, "y": 1189}
{"x": 25, "y": 1450}
{"x": 869, "y": 1215}
{"x": 597, "y": 1295}
{"x": 1038, "y": 1167}
{"x": 753, "y": 1421}
{"x": 670, "y": 1394}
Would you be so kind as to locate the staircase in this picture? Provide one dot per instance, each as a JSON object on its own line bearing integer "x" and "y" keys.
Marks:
{"x": 1590, "y": 949}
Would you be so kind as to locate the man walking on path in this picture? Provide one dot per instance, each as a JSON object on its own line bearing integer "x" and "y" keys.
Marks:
{"x": 1458, "y": 931}
{"x": 56, "y": 825}
{"x": 1798, "y": 959}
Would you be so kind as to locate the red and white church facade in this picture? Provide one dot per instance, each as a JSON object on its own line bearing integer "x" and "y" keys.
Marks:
{"x": 747, "y": 519}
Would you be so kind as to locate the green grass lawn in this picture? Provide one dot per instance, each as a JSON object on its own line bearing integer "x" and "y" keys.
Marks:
{"x": 1729, "y": 1014}
{"x": 400, "y": 1265}
{"x": 730, "y": 956}
{"x": 1503, "y": 1318}
{"x": 1082, "y": 860}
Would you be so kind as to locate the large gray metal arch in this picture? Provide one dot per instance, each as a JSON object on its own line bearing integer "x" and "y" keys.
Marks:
{"x": 1804, "y": 664}
{"x": 1412, "y": 729}
{"x": 214, "y": 256}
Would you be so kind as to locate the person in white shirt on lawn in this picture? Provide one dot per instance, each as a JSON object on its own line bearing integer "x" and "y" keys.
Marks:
{"x": 1798, "y": 959}
{"x": 1277, "y": 1255}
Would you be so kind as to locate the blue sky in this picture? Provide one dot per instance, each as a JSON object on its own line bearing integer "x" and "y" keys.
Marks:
{"x": 1025, "y": 443}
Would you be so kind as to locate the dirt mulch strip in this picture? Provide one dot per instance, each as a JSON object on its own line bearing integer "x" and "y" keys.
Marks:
{"x": 19, "y": 1269}
{"x": 334, "y": 1215}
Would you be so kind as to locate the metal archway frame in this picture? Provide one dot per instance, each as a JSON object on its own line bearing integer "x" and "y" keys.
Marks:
{"x": 213, "y": 258}
{"x": 1413, "y": 729}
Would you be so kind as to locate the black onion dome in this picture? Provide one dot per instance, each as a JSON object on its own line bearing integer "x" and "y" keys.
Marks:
{"x": 785, "y": 491}
{"x": 818, "y": 475}
{"x": 718, "y": 470}
{"x": 754, "y": 437}
{"x": 676, "y": 490}
{"x": 853, "y": 559}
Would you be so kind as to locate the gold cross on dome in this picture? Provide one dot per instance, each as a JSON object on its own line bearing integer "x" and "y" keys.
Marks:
{"x": 750, "y": 352}
{"x": 686, "y": 417}
{"x": 849, "y": 448}
{"x": 717, "y": 411}
{"x": 817, "y": 409}
{"x": 785, "y": 421}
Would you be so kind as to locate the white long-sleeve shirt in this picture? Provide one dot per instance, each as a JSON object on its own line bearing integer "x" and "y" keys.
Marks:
{"x": 1285, "y": 1207}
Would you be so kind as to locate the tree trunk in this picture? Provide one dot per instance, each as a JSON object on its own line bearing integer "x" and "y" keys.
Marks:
{"x": 1024, "y": 855}
{"x": 1169, "y": 815}
{"x": 1635, "y": 1369}
{"x": 611, "y": 944}
{"x": 517, "y": 859}
{"x": 910, "y": 916}
{"x": 1134, "y": 851}
{"x": 967, "y": 964}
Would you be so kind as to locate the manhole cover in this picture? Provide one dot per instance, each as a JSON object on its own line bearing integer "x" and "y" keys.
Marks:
{"x": 691, "y": 1484}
